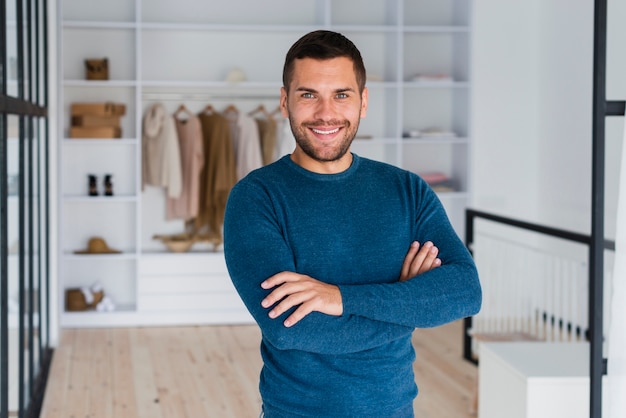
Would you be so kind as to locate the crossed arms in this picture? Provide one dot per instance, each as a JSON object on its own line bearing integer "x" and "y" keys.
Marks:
{"x": 307, "y": 294}
{"x": 296, "y": 309}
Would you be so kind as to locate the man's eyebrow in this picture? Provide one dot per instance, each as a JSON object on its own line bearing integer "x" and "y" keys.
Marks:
{"x": 306, "y": 89}
{"x": 340, "y": 90}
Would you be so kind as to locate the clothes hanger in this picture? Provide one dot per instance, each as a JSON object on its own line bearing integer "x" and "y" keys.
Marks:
{"x": 260, "y": 109}
{"x": 208, "y": 109}
{"x": 182, "y": 109}
{"x": 231, "y": 108}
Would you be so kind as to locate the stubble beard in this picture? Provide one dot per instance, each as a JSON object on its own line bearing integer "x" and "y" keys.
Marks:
{"x": 325, "y": 153}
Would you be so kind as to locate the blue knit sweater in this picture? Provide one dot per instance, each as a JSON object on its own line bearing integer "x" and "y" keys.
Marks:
{"x": 351, "y": 229}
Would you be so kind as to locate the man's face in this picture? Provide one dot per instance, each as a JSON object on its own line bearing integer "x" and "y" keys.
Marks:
{"x": 324, "y": 108}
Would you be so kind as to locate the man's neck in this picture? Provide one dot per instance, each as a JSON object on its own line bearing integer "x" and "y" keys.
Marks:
{"x": 322, "y": 167}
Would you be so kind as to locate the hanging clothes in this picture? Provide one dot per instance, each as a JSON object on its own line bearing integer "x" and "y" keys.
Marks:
{"x": 161, "y": 165}
{"x": 285, "y": 142}
{"x": 267, "y": 136}
{"x": 191, "y": 146}
{"x": 267, "y": 132}
{"x": 218, "y": 175}
{"x": 246, "y": 142}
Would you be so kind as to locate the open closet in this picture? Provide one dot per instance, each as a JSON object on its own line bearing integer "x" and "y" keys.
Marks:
{"x": 197, "y": 60}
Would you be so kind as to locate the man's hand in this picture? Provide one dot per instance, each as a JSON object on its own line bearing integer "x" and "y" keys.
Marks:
{"x": 293, "y": 289}
{"x": 310, "y": 295}
{"x": 419, "y": 260}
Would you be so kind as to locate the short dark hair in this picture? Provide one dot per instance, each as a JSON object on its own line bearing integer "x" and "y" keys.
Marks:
{"x": 324, "y": 45}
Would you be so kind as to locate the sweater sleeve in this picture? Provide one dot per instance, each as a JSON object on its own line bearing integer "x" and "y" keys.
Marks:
{"x": 255, "y": 249}
{"x": 444, "y": 294}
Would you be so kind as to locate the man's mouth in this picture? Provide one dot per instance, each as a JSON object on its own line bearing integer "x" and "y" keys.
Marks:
{"x": 324, "y": 131}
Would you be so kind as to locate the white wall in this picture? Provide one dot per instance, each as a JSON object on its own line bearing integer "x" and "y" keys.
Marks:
{"x": 565, "y": 103}
{"x": 504, "y": 121}
{"x": 532, "y": 109}
{"x": 615, "y": 90}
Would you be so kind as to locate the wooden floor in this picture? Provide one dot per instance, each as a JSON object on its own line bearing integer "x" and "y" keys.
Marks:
{"x": 213, "y": 371}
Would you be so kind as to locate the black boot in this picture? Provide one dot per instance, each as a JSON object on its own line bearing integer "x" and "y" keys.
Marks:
{"x": 93, "y": 185}
{"x": 108, "y": 185}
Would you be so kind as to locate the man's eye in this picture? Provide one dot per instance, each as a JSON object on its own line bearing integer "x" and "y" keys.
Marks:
{"x": 342, "y": 96}
{"x": 307, "y": 95}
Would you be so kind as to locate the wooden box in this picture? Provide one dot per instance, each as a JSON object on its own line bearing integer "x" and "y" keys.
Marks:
{"x": 98, "y": 108}
{"x": 95, "y": 132}
{"x": 95, "y": 120}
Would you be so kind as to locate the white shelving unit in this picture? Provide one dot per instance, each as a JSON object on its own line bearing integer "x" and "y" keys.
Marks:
{"x": 181, "y": 51}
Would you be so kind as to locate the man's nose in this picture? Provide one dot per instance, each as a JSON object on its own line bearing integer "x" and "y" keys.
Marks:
{"x": 325, "y": 109}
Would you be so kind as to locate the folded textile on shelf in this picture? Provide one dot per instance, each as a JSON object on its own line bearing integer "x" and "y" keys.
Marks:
{"x": 439, "y": 181}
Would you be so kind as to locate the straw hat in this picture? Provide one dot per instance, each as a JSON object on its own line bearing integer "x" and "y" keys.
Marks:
{"x": 97, "y": 245}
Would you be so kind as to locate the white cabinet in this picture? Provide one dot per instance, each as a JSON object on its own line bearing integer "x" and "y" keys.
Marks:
{"x": 534, "y": 380}
{"x": 188, "y": 288}
{"x": 181, "y": 52}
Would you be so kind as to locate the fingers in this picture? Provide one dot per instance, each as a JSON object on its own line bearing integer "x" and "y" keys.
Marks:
{"x": 419, "y": 260}
{"x": 405, "y": 272}
{"x": 278, "y": 282}
{"x": 278, "y": 279}
{"x": 426, "y": 258}
{"x": 303, "y": 292}
{"x": 305, "y": 307}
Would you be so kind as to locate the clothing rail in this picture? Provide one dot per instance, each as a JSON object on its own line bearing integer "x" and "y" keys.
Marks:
{"x": 206, "y": 97}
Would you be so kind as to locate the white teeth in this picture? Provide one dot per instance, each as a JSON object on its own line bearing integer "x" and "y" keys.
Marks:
{"x": 318, "y": 131}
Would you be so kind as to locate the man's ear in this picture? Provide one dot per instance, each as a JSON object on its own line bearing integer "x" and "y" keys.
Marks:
{"x": 283, "y": 102}
{"x": 364, "y": 102}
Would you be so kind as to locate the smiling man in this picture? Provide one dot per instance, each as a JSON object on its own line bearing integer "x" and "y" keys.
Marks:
{"x": 337, "y": 257}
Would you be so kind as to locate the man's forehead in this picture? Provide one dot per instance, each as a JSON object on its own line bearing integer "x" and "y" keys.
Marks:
{"x": 340, "y": 69}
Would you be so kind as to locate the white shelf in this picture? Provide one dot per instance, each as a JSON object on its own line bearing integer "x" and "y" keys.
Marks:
{"x": 85, "y": 24}
{"x": 216, "y": 27}
{"x": 435, "y": 140}
{"x": 202, "y": 254}
{"x": 462, "y": 196}
{"x": 124, "y": 255}
{"x": 99, "y": 141}
{"x": 390, "y": 29}
{"x": 436, "y": 29}
{"x": 436, "y": 84}
{"x": 100, "y": 83}
{"x": 100, "y": 199}
{"x": 222, "y": 85}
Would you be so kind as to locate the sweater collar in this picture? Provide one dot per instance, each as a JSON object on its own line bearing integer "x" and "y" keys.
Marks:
{"x": 323, "y": 177}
